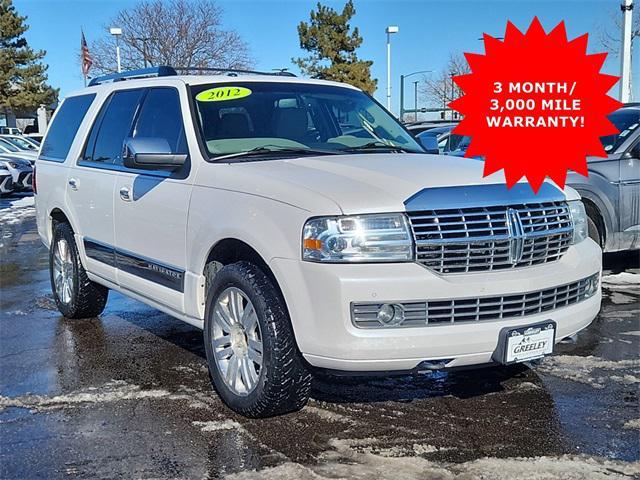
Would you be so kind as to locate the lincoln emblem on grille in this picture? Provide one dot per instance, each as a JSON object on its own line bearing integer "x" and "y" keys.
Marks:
{"x": 516, "y": 236}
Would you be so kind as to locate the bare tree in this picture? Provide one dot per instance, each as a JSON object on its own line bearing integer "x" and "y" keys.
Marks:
{"x": 439, "y": 89}
{"x": 171, "y": 32}
{"x": 610, "y": 35}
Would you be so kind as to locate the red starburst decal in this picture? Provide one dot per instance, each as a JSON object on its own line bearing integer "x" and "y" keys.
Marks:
{"x": 535, "y": 104}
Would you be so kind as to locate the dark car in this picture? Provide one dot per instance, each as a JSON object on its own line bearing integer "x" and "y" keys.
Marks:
{"x": 417, "y": 128}
{"x": 611, "y": 192}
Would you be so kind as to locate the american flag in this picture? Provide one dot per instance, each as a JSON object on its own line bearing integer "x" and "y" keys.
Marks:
{"x": 85, "y": 55}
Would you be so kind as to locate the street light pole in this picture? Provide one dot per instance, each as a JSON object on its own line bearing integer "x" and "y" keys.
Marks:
{"x": 402, "y": 78}
{"x": 625, "y": 55}
{"x": 116, "y": 32}
{"x": 415, "y": 99}
{"x": 391, "y": 29}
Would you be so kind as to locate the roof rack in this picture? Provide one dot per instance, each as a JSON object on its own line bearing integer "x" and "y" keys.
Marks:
{"x": 161, "y": 71}
{"x": 235, "y": 71}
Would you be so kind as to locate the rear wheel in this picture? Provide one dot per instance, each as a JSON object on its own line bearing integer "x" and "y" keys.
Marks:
{"x": 251, "y": 351}
{"x": 75, "y": 295}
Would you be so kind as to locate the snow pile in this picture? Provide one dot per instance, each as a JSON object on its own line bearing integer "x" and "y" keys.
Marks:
{"x": 18, "y": 211}
{"x": 624, "y": 280}
{"x": 343, "y": 463}
{"x": 582, "y": 369}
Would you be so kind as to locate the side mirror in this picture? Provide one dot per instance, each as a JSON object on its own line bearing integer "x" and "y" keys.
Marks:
{"x": 429, "y": 143}
{"x": 634, "y": 152}
{"x": 150, "y": 153}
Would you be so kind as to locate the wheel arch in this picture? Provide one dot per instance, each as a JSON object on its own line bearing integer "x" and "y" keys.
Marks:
{"x": 231, "y": 250}
{"x": 57, "y": 215}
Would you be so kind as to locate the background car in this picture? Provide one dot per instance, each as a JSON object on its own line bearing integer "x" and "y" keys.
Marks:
{"x": 611, "y": 192}
{"x": 10, "y": 131}
{"x": 7, "y": 148}
{"x": 418, "y": 127}
{"x": 21, "y": 172}
{"x": 6, "y": 181}
{"x": 22, "y": 142}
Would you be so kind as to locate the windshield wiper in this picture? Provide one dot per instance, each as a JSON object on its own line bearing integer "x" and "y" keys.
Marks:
{"x": 266, "y": 149}
{"x": 378, "y": 146}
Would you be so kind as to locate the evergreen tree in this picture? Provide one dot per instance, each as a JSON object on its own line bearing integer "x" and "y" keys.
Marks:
{"x": 22, "y": 75}
{"x": 332, "y": 43}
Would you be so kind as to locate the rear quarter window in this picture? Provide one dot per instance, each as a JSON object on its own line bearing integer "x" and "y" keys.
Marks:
{"x": 64, "y": 127}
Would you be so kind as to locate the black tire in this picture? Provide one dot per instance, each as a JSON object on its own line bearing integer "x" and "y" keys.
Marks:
{"x": 284, "y": 382}
{"x": 594, "y": 230}
{"x": 88, "y": 298}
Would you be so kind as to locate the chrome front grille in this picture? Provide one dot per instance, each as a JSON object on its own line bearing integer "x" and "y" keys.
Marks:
{"x": 475, "y": 239}
{"x": 465, "y": 310}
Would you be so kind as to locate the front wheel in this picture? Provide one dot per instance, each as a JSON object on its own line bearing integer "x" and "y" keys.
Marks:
{"x": 75, "y": 295}
{"x": 251, "y": 350}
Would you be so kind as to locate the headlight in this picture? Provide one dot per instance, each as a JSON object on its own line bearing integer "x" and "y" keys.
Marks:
{"x": 361, "y": 238}
{"x": 579, "y": 219}
{"x": 13, "y": 164}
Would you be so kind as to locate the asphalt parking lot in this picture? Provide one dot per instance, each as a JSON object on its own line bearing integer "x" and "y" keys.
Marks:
{"x": 128, "y": 395}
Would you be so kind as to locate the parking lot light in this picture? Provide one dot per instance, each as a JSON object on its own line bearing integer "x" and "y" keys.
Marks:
{"x": 116, "y": 32}
{"x": 391, "y": 29}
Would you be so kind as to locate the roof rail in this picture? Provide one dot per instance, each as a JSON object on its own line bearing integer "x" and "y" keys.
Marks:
{"x": 235, "y": 71}
{"x": 160, "y": 71}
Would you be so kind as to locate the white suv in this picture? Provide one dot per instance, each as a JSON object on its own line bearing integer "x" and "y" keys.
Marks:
{"x": 302, "y": 227}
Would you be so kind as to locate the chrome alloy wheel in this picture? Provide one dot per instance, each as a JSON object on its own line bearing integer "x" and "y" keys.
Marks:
{"x": 237, "y": 341}
{"x": 63, "y": 271}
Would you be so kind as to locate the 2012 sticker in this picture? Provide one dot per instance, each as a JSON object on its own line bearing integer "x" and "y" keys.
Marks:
{"x": 221, "y": 94}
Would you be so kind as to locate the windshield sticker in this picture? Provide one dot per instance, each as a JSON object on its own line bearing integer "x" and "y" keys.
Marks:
{"x": 221, "y": 94}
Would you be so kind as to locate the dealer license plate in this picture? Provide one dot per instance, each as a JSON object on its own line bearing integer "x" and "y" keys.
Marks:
{"x": 529, "y": 343}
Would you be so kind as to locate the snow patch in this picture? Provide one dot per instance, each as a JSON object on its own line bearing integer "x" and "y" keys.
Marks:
{"x": 114, "y": 391}
{"x": 621, "y": 299}
{"x": 216, "y": 426}
{"x": 29, "y": 201}
{"x": 342, "y": 464}
{"x": 18, "y": 211}
{"x": 632, "y": 424}
{"x": 327, "y": 414}
{"x": 582, "y": 369}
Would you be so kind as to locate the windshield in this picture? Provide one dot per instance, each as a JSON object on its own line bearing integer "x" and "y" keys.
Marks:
{"x": 625, "y": 120}
{"x": 8, "y": 146}
{"x": 274, "y": 116}
{"x": 20, "y": 143}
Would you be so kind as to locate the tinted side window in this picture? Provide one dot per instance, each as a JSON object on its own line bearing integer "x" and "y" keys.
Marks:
{"x": 160, "y": 117}
{"x": 112, "y": 126}
{"x": 64, "y": 127}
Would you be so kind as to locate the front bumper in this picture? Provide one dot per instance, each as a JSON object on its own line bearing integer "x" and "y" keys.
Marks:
{"x": 319, "y": 297}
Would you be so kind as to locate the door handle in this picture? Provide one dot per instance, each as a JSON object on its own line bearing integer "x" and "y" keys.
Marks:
{"x": 125, "y": 194}
{"x": 73, "y": 183}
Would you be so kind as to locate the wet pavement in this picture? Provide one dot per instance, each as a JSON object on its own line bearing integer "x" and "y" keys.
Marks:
{"x": 128, "y": 395}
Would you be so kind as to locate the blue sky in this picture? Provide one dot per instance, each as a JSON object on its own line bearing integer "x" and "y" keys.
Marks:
{"x": 429, "y": 30}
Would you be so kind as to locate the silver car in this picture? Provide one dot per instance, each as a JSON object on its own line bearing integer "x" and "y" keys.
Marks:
{"x": 611, "y": 192}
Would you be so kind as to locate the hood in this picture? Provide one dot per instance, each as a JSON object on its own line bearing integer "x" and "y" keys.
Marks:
{"x": 21, "y": 162}
{"x": 363, "y": 183}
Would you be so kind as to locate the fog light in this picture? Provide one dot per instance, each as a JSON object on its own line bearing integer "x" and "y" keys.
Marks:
{"x": 591, "y": 287}
{"x": 390, "y": 314}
